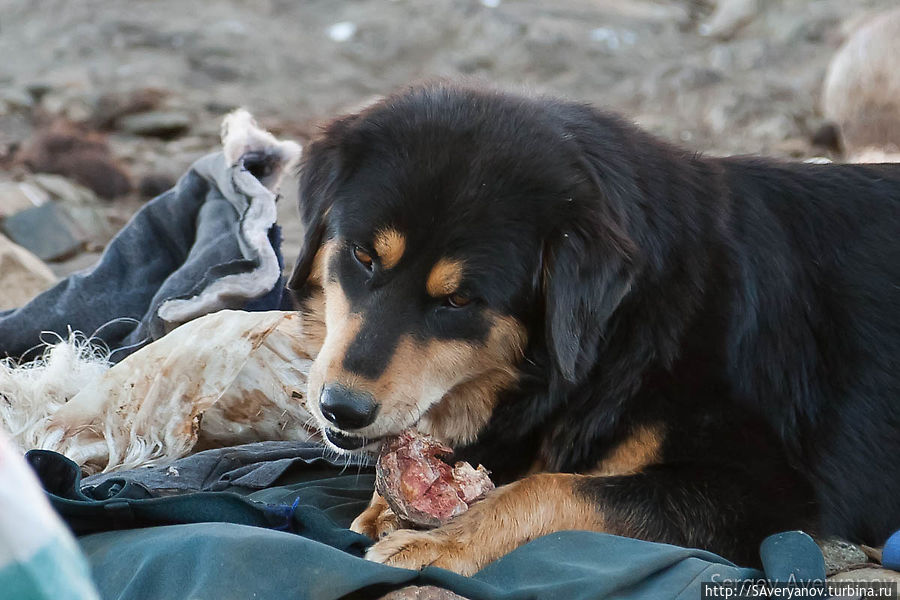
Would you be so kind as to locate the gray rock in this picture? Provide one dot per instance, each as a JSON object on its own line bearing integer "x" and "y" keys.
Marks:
{"x": 38, "y": 89}
{"x": 693, "y": 77}
{"x": 16, "y": 99}
{"x": 90, "y": 225}
{"x": 728, "y": 17}
{"x": 81, "y": 206}
{"x": 22, "y": 275}
{"x": 17, "y": 196}
{"x": 840, "y": 555}
{"x": 64, "y": 190}
{"x": 73, "y": 105}
{"x": 44, "y": 230}
{"x": 112, "y": 106}
{"x": 161, "y": 124}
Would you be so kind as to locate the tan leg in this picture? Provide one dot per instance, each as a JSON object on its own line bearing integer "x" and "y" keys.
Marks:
{"x": 507, "y": 518}
{"x": 377, "y": 521}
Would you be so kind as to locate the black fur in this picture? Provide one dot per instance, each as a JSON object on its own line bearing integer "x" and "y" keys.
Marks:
{"x": 750, "y": 308}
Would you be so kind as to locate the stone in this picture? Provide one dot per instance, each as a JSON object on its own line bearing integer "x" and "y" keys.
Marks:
{"x": 64, "y": 189}
{"x": 78, "y": 154}
{"x": 16, "y": 99}
{"x": 696, "y": 77}
{"x": 874, "y": 575}
{"x": 38, "y": 89}
{"x": 828, "y": 136}
{"x": 45, "y": 230}
{"x": 22, "y": 275}
{"x": 874, "y": 554}
{"x": 81, "y": 206}
{"x": 16, "y": 196}
{"x": 422, "y": 592}
{"x": 728, "y": 17}
{"x": 112, "y": 106}
{"x": 90, "y": 225}
{"x": 862, "y": 87}
{"x": 161, "y": 124}
{"x": 840, "y": 555}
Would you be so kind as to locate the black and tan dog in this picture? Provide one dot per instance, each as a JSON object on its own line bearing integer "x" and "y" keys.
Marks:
{"x": 633, "y": 338}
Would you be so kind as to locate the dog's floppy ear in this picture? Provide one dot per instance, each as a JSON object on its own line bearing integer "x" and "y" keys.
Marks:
{"x": 584, "y": 282}
{"x": 590, "y": 261}
{"x": 320, "y": 170}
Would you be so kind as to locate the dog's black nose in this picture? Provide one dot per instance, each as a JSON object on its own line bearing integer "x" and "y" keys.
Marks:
{"x": 346, "y": 408}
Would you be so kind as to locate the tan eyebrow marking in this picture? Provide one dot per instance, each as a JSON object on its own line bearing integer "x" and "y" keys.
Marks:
{"x": 390, "y": 245}
{"x": 445, "y": 277}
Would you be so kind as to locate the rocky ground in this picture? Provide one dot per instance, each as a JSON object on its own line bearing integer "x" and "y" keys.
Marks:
{"x": 122, "y": 95}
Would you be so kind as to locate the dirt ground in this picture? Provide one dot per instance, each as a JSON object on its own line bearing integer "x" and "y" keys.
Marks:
{"x": 754, "y": 87}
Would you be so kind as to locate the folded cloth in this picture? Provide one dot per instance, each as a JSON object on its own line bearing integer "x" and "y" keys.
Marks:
{"x": 249, "y": 466}
{"x": 209, "y": 243}
{"x": 319, "y": 503}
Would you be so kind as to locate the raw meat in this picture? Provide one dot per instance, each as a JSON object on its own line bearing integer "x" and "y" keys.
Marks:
{"x": 422, "y": 489}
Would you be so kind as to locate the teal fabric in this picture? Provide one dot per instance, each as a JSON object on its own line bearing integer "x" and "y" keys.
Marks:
{"x": 582, "y": 565}
{"x": 792, "y": 556}
{"x": 223, "y": 545}
{"x": 220, "y": 560}
{"x": 57, "y": 571}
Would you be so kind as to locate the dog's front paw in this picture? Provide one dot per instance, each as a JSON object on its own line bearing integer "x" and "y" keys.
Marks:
{"x": 376, "y": 524}
{"x": 377, "y": 521}
{"x": 410, "y": 549}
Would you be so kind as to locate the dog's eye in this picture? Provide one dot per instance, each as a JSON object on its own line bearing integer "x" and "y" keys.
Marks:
{"x": 457, "y": 300}
{"x": 364, "y": 258}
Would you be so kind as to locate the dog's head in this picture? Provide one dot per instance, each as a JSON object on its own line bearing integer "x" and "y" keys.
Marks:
{"x": 451, "y": 229}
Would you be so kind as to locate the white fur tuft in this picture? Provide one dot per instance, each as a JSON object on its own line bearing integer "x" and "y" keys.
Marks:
{"x": 32, "y": 392}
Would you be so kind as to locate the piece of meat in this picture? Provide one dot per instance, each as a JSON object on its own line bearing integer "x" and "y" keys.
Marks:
{"x": 422, "y": 489}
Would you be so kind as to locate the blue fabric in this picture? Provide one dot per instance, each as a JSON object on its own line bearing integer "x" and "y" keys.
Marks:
{"x": 174, "y": 247}
{"x": 890, "y": 556}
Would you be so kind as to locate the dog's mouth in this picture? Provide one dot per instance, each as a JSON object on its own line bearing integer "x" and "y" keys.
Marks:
{"x": 351, "y": 443}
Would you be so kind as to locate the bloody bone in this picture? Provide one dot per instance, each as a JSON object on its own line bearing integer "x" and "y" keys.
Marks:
{"x": 422, "y": 489}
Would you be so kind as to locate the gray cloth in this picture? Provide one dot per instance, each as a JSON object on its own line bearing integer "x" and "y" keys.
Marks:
{"x": 251, "y": 466}
{"x": 176, "y": 247}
